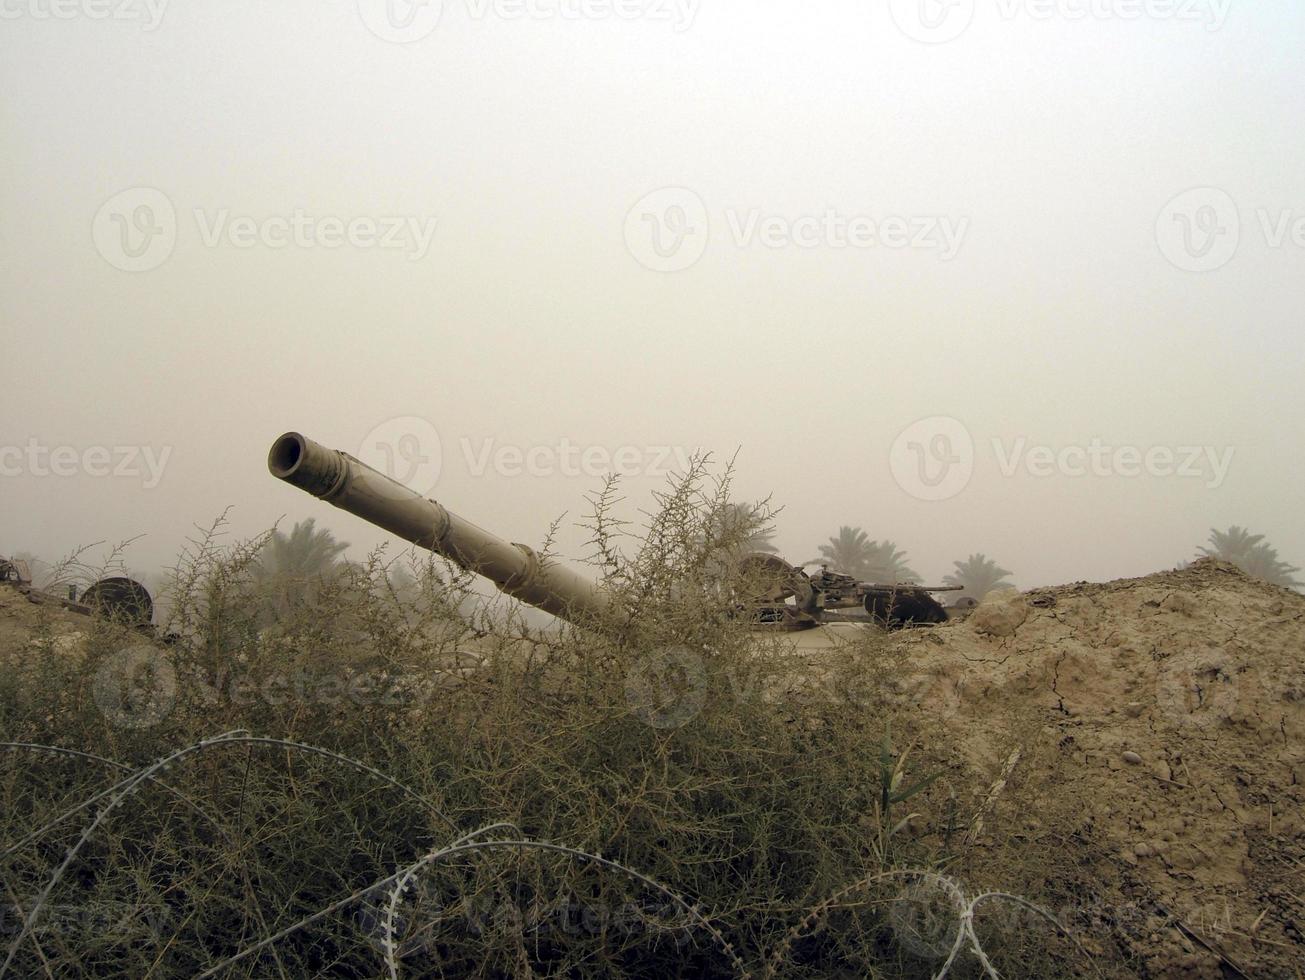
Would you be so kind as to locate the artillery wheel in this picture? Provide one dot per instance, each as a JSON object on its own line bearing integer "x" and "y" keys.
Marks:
{"x": 120, "y": 598}
{"x": 773, "y": 581}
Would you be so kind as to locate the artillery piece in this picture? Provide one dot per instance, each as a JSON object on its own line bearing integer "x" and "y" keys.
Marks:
{"x": 798, "y": 600}
{"x": 785, "y": 596}
{"x": 116, "y": 597}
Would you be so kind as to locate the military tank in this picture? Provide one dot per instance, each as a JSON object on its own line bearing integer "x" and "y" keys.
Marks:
{"x": 786, "y": 597}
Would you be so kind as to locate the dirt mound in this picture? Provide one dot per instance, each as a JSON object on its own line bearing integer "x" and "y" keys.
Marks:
{"x": 1173, "y": 709}
{"x": 22, "y": 620}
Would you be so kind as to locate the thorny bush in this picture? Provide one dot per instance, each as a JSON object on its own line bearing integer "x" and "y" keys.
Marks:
{"x": 666, "y": 792}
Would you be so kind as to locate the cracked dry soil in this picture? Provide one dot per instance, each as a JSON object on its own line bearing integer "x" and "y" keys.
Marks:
{"x": 1163, "y": 753}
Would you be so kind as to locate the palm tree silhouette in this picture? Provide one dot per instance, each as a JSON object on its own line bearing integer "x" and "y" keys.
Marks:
{"x": 846, "y": 553}
{"x": 853, "y": 553}
{"x": 1252, "y": 554}
{"x": 752, "y": 522}
{"x": 888, "y": 565}
{"x": 291, "y": 567}
{"x": 977, "y": 576}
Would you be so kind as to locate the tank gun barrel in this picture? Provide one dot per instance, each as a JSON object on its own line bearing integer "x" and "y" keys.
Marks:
{"x": 515, "y": 569}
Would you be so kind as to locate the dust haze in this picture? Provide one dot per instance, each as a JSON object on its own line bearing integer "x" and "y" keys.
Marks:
{"x": 1021, "y": 279}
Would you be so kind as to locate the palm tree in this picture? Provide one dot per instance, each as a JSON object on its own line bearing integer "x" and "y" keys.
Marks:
{"x": 977, "y": 576}
{"x": 761, "y": 537}
{"x": 749, "y": 522}
{"x": 1231, "y": 545}
{"x": 848, "y": 553}
{"x": 1252, "y": 554}
{"x": 291, "y": 566}
{"x": 304, "y": 552}
{"x": 853, "y": 553}
{"x": 887, "y": 565}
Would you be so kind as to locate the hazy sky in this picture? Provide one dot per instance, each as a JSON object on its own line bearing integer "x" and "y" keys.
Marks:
{"x": 971, "y": 275}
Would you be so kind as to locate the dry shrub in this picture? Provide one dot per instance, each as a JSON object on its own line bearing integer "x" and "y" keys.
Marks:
{"x": 415, "y": 783}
